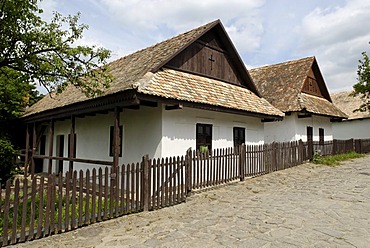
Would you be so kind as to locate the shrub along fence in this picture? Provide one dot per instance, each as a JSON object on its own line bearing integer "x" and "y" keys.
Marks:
{"x": 50, "y": 204}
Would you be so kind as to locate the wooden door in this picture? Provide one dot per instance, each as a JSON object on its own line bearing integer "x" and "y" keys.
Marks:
{"x": 310, "y": 141}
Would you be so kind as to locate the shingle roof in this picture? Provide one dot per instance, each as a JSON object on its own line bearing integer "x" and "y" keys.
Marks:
{"x": 137, "y": 71}
{"x": 173, "y": 84}
{"x": 348, "y": 104}
{"x": 281, "y": 84}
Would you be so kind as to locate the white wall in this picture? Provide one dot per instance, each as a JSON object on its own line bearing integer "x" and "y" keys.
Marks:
{"x": 353, "y": 129}
{"x": 179, "y": 128}
{"x": 153, "y": 131}
{"x": 293, "y": 128}
{"x": 281, "y": 131}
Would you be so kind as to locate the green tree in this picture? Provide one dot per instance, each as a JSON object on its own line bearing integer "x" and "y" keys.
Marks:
{"x": 46, "y": 52}
{"x": 362, "y": 87}
{"x": 33, "y": 51}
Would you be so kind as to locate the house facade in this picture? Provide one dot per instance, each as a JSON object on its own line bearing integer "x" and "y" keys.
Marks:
{"x": 357, "y": 126}
{"x": 191, "y": 91}
{"x": 298, "y": 89}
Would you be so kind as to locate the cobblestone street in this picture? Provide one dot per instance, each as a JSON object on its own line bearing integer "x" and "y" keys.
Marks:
{"x": 306, "y": 206}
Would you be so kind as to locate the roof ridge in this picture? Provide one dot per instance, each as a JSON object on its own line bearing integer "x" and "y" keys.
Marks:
{"x": 289, "y": 62}
{"x": 205, "y": 26}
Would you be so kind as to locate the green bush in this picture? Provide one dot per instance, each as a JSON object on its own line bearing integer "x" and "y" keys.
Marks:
{"x": 7, "y": 155}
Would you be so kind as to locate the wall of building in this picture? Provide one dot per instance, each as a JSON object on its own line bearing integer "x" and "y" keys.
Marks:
{"x": 141, "y": 132}
{"x": 179, "y": 129}
{"x": 153, "y": 131}
{"x": 354, "y": 129}
{"x": 281, "y": 131}
{"x": 316, "y": 122}
{"x": 293, "y": 128}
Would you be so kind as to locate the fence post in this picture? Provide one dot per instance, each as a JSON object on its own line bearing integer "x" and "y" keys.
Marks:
{"x": 352, "y": 145}
{"x": 146, "y": 182}
{"x": 242, "y": 162}
{"x": 188, "y": 161}
{"x": 358, "y": 146}
{"x": 335, "y": 147}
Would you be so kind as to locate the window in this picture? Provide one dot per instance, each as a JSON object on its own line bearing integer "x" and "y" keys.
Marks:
{"x": 239, "y": 136}
{"x": 321, "y": 135}
{"x": 309, "y": 134}
{"x": 111, "y": 143}
{"x": 204, "y": 137}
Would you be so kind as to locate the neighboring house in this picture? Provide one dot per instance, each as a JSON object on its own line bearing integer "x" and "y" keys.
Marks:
{"x": 192, "y": 90}
{"x": 357, "y": 126}
{"x": 298, "y": 89}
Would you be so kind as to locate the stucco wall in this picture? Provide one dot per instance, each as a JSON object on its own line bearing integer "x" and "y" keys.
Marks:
{"x": 153, "y": 131}
{"x": 179, "y": 128}
{"x": 356, "y": 129}
{"x": 293, "y": 128}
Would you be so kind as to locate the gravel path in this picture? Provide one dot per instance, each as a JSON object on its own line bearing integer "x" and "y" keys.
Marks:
{"x": 306, "y": 206}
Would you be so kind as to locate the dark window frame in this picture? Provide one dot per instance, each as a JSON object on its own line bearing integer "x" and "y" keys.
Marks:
{"x": 238, "y": 136}
{"x": 321, "y": 135}
{"x": 204, "y": 133}
{"x": 111, "y": 145}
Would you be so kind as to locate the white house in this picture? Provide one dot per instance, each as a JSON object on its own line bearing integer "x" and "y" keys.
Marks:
{"x": 192, "y": 90}
{"x": 357, "y": 126}
{"x": 298, "y": 89}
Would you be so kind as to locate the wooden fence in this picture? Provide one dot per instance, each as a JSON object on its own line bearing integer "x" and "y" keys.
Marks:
{"x": 33, "y": 208}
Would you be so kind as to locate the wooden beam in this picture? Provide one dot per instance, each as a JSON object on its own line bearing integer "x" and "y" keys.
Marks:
{"x": 175, "y": 106}
{"x": 34, "y": 137}
{"x": 80, "y": 160}
{"x": 27, "y": 150}
{"x": 304, "y": 115}
{"x": 149, "y": 103}
{"x": 94, "y": 105}
{"x": 269, "y": 120}
{"x": 72, "y": 142}
{"x": 51, "y": 139}
{"x": 116, "y": 138}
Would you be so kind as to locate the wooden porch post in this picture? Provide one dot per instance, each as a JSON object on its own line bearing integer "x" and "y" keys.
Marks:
{"x": 72, "y": 143}
{"x": 116, "y": 138}
{"x": 27, "y": 149}
{"x": 34, "y": 137}
{"x": 51, "y": 139}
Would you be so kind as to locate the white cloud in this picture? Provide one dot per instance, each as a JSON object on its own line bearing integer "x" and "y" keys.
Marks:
{"x": 337, "y": 36}
{"x": 159, "y": 19}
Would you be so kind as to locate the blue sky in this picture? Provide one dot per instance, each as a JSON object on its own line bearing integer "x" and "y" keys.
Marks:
{"x": 263, "y": 31}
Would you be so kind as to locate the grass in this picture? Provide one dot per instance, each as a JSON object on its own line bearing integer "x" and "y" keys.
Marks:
{"x": 335, "y": 160}
{"x": 79, "y": 209}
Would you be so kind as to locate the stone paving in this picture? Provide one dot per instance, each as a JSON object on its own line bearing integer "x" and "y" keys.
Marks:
{"x": 306, "y": 206}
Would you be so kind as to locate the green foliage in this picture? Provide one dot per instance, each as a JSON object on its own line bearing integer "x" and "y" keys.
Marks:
{"x": 334, "y": 160}
{"x": 15, "y": 95}
{"x": 362, "y": 87}
{"x": 203, "y": 148}
{"x": 47, "y": 53}
{"x": 7, "y": 155}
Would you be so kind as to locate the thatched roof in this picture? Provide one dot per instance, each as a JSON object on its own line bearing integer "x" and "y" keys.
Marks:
{"x": 281, "y": 84}
{"x": 143, "y": 70}
{"x": 348, "y": 104}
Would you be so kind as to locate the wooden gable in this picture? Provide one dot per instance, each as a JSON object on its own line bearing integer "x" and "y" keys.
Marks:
{"x": 311, "y": 85}
{"x": 209, "y": 56}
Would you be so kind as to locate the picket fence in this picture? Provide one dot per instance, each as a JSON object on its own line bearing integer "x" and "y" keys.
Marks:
{"x": 32, "y": 208}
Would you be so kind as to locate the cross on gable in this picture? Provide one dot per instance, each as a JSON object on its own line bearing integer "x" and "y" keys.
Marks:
{"x": 212, "y": 60}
